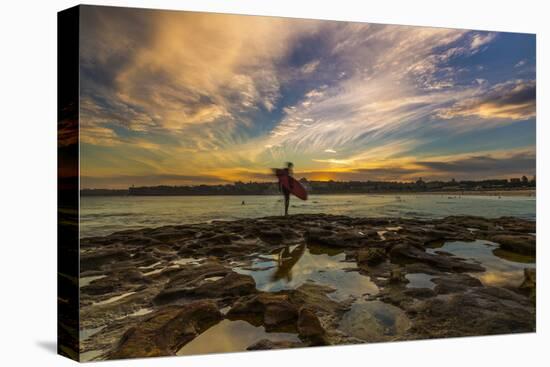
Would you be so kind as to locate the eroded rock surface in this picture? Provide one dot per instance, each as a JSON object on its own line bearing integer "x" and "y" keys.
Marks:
{"x": 167, "y": 330}
{"x": 149, "y": 292}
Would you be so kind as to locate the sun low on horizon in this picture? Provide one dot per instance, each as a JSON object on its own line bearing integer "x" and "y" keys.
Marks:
{"x": 186, "y": 98}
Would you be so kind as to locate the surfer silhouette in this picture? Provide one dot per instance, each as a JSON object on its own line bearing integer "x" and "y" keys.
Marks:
{"x": 285, "y": 184}
{"x": 288, "y": 185}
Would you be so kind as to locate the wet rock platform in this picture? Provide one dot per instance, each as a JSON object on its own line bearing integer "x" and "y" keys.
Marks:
{"x": 303, "y": 280}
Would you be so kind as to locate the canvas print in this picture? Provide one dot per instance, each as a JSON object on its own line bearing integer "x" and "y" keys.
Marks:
{"x": 232, "y": 183}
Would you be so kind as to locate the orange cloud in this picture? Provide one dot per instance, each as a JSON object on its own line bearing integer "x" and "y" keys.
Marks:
{"x": 514, "y": 100}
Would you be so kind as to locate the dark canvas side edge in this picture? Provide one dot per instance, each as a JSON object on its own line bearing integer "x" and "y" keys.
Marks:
{"x": 68, "y": 182}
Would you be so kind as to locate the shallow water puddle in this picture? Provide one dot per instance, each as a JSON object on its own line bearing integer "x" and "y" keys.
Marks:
{"x": 374, "y": 321}
{"x": 420, "y": 280}
{"x": 83, "y": 282}
{"x": 113, "y": 299}
{"x": 86, "y": 333}
{"x": 150, "y": 266}
{"x": 88, "y": 356}
{"x": 212, "y": 279}
{"x": 140, "y": 312}
{"x": 502, "y": 267}
{"x": 293, "y": 267}
{"x": 186, "y": 261}
{"x": 153, "y": 272}
{"x": 231, "y": 336}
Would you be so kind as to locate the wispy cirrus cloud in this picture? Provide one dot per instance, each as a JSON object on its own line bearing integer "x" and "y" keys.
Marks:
{"x": 171, "y": 92}
{"x": 98, "y": 135}
{"x": 394, "y": 87}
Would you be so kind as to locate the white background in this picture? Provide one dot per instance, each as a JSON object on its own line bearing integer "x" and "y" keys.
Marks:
{"x": 28, "y": 182}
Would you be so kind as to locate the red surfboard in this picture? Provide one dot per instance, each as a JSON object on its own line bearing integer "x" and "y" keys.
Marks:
{"x": 293, "y": 186}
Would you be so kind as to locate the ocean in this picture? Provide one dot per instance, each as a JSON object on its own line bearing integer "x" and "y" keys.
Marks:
{"x": 100, "y": 216}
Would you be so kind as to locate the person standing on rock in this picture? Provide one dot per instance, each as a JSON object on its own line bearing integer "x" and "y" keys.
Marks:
{"x": 283, "y": 174}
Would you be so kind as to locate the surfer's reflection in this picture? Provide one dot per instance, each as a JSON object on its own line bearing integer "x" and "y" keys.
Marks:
{"x": 287, "y": 259}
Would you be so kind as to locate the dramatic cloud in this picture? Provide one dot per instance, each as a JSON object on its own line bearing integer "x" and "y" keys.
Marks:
{"x": 513, "y": 100}
{"x": 97, "y": 135}
{"x": 480, "y": 39}
{"x": 177, "y": 97}
{"x": 181, "y": 68}
{"x": 482, "y": 166}
{"x": 403, "y": 77}
{"x": 486, "y": 164}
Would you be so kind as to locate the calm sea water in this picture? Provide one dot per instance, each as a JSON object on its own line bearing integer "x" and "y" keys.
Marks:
{"x": 104, "y": 215}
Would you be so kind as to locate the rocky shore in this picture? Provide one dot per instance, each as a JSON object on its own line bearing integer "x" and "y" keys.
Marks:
{"x": 304, "y": 280}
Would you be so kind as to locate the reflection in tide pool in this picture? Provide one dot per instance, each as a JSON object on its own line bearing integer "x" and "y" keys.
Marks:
{"x": 503, "y": 268}
{"x": 231, "y": 336}
{"x": 293, "y": 267}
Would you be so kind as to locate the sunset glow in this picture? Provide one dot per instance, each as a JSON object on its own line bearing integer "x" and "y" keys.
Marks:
{"x": 183, "y": 98}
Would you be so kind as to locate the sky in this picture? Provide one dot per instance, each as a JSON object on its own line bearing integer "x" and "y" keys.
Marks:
{"x": 186, "y": 98}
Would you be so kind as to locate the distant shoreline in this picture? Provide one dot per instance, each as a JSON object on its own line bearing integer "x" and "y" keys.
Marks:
{"x": 508, "y": 193}
{"x": 477, "y": 193}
